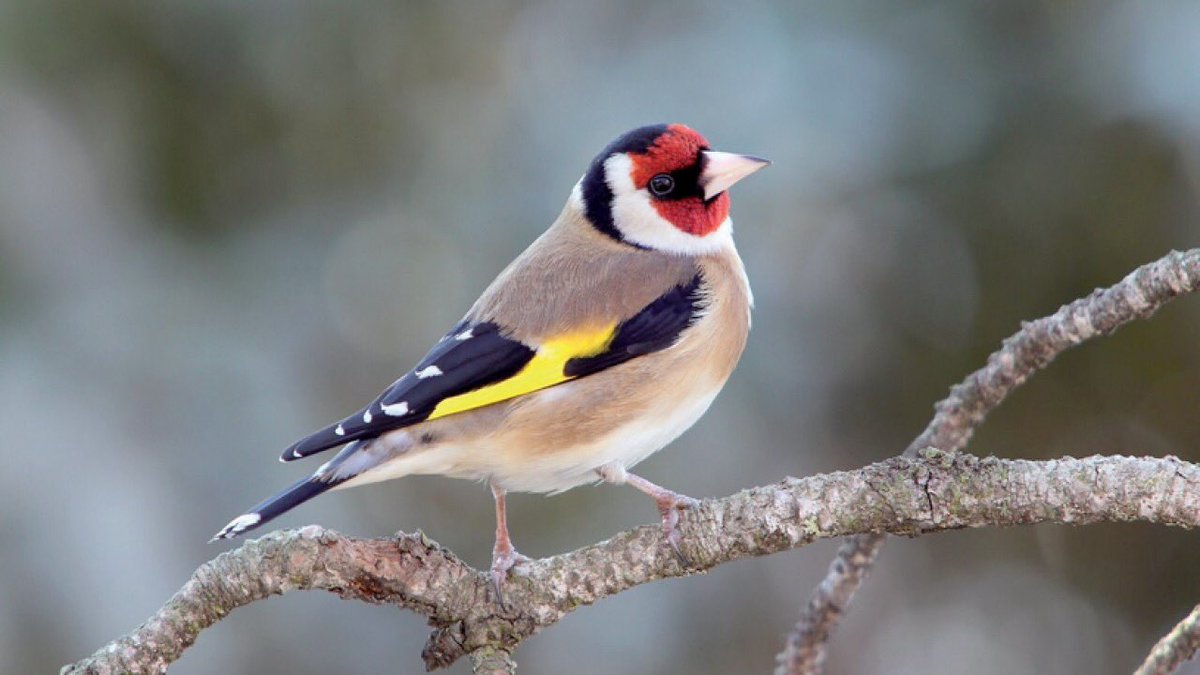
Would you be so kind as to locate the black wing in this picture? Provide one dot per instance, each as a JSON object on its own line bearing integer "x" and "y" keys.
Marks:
{"x": 468, "y": 357}
{"x": 475, "y": 355}
{"x": 654, "y": 328}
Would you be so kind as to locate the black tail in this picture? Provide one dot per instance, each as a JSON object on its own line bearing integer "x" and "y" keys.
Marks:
{"x": 271, "y": 508}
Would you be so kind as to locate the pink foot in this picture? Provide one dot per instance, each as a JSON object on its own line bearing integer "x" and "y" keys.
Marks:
{"x": 502, "y": 562}
{"x": 669, "y": 505}
{"x": 504, "y": 556}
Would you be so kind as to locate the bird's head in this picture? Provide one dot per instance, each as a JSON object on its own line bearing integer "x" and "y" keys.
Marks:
{"x": 660, "y": 187}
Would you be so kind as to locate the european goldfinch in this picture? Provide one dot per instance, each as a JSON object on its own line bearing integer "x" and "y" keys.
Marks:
{"x": 600, "y": 344}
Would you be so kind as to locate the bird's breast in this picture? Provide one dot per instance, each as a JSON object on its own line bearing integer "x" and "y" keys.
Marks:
{"x": 533, "y": 466}
{"x": 555, "y": 439}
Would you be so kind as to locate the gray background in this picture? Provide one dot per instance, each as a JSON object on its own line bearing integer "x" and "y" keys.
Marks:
{"x": 223, "y": 226}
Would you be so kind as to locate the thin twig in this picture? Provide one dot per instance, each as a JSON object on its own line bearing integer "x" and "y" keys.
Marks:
{"x": 1175, "y": 648}
{"x": 1026, "y": 352}
{"x": 931, "y": 492}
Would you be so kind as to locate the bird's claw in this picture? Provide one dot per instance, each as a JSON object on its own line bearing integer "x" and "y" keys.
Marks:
{"x": 502, "y": 562}
{"x": 669, "y": 505}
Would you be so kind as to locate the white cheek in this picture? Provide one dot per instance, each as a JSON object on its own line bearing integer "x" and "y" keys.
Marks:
{"x": 639, "y": 222}
{"x": 576, "y": 198}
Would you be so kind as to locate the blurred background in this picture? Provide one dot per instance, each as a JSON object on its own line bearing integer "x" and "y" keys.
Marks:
{"x": 222, "y": 226}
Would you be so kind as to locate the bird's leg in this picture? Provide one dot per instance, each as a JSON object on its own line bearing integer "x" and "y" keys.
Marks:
{"x": 504, "y": 556}
{"x": 669, "y": 503}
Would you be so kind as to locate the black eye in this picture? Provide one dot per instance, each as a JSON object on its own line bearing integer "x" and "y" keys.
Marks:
{"x": 661, "y": 184}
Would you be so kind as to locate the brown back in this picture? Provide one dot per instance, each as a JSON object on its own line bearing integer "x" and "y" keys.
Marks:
{"x": 574, "y": 277}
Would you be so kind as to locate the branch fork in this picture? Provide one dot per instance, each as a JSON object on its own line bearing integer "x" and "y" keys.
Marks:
{"x": 934, "y": 491}
{"x": 925, "y": 490}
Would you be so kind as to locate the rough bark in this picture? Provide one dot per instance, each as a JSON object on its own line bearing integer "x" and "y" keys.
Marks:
{"x": 1020, "y": 356}
{"x": 910, "y": 496}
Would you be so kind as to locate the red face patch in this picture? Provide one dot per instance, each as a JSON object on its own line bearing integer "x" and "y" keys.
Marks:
{"x": 678, "y": 149}
{"x": 692, "y": 215}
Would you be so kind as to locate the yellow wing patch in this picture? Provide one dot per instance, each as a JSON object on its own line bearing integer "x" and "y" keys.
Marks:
{"x": 545, "y": 369}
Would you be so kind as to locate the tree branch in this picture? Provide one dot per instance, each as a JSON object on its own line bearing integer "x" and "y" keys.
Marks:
{"x": 931, "y": 492}
{"x": 1175, "y": 648}
{"x": 1023, "y": 354}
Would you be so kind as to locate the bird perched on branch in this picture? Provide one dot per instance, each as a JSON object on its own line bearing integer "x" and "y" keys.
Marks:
{"x": 600, "y": 344}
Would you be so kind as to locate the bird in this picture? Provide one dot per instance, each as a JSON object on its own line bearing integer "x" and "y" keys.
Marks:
{"x": 597, "y": 346}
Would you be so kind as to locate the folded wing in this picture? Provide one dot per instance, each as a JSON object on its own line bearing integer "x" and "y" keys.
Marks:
{"x": 476, "y": 365}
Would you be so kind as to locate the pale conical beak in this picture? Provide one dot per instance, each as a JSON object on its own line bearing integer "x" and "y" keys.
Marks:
{"x": 723, "y": 169}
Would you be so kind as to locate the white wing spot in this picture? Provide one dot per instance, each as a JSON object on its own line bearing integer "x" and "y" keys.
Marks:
{"x": 367, "y": 417}
{"x": 396, "y": 410}
{"x": 340, "y": 430}
{"x": 239, "y": 525}
{"x": 465, "y": 335}
{"x": 431, "y": 371}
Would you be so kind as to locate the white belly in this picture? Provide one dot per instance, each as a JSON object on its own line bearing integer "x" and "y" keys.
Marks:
{"x": 626, "y": 445}
{"x": 553, "y": 471}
